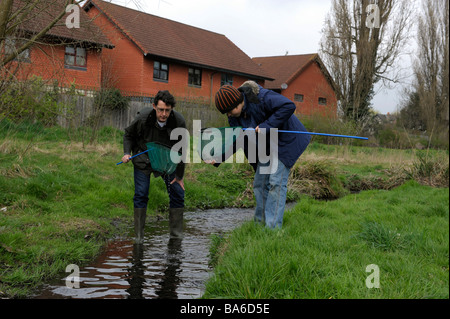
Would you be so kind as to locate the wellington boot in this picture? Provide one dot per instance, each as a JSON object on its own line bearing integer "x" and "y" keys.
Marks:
{"x": 139, "y": 224}
{"x": 176, "y": 222}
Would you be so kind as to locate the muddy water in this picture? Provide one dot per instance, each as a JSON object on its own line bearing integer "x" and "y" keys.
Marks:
{"x": 162, "y": 267}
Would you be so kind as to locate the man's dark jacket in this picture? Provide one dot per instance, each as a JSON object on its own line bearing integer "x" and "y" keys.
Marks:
{"x": 145, "y": 129}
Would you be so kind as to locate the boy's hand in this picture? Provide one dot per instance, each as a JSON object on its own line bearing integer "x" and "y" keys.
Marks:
{"x": 210, "y": 162}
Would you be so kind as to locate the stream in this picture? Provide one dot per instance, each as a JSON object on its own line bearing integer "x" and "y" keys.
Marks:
{"x": 162, "y": 267}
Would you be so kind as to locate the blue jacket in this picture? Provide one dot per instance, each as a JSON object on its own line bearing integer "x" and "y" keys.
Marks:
{"x": 268, "y": 109}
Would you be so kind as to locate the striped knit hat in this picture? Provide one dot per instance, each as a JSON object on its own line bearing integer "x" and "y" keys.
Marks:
{"x": 227, "y": 98}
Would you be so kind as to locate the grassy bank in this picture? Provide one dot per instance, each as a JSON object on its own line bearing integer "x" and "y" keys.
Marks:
{"x": 62, "y": 198}
{"x": 324, "y": 249}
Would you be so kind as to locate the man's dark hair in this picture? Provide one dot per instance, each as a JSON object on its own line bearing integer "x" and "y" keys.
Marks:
{"x": 166, "y": 97}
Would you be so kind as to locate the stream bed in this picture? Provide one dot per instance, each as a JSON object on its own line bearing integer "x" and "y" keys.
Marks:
{"x": 162, "y": 267}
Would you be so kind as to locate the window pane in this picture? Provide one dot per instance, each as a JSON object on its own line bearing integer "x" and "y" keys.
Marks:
{"x": 199, "y": 77}
{"x": 322, "y": 101}
{"x": 298, "y": 97}
{"x": 69, "y": 60}
{"x": 70, "y": 50}
{"x": 25, "y": 55}
{"x": 195, "y": 77}
{"x": 160, "y": 71}
{"x": 81, "y": 61}
{"x": 10, "y": 45}
{"x": 227, "y": 79}
{"x": 81, "y": 52}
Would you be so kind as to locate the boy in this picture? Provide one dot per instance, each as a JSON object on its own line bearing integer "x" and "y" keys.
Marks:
{"x": 252, "y": 106}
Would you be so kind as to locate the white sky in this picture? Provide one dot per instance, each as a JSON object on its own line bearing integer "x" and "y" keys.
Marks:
{"x": 259, "y": 27}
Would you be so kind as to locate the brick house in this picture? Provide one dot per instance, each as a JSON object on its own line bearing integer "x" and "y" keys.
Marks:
{"x": 304, "y": 80}
{"x": 152, "y": 53}
{"x": 68, "y": 56}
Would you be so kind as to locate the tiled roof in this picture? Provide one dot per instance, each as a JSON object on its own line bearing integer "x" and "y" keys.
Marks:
{"x": 162, "y": 37}
{"x": 47, "y": 10}
{"x": 284, "y": 68}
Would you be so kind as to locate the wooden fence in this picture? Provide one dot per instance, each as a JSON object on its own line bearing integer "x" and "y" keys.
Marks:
{"x": 80, "y": 111}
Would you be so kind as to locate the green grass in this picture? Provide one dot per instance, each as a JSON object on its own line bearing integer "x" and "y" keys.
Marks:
{"x": 62, "y": 198}
{"x": 59, "y": 198}
{"x": 323, "y": 249}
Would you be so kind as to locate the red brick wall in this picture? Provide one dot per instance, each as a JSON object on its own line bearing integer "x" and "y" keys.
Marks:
{"x": 132, "y": 72}
{"x": 122, "y": 65}
{"x": 47, "y": 61}
{"x": 178, "y": 82}
{"x": 312, "y": 84}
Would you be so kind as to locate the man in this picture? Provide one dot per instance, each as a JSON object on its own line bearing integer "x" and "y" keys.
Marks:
{"x": 155, "y": 125}
{"x": 252, "y": 106}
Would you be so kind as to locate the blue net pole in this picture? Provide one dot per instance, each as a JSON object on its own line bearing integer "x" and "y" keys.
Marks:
{"x": 311, "y": 133}
{"x": 134, "y": 156}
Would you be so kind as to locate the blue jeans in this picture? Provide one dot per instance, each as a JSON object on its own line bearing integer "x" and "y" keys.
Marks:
{"x": 142, "y": 186}
{"x": 270, "y": 194}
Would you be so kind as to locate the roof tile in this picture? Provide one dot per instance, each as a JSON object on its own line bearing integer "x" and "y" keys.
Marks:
{"x": 47, "y": 10}
{"x": 174, "y": 40}
{"x": 283, "y": 68}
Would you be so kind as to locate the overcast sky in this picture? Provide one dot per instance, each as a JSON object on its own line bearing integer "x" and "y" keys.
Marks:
{"x": 258, "y": 27}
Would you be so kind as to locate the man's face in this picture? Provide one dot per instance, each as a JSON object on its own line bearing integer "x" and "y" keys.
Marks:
{"x": 236, "y": 112}
{"x": 162, "y": 111}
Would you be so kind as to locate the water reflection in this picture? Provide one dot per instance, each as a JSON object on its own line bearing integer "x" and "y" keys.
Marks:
{"x": 161, "y": 267}
{"x": 136, "y": 274}
{"x": 170, "y": 281}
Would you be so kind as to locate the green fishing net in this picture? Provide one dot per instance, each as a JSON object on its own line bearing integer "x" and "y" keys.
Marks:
{"x": 215, "y": 143}
{"x": 160, "y": 158}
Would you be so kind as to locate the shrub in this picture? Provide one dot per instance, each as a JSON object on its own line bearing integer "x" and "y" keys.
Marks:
{"x": 318, "y": 179}
{"x": 111, "y": 99}
{"x": 320, "y": 124}
{"x": 430, "y": 170}
{"x": 32, "y": 100}
{"x": 379, "y": 236}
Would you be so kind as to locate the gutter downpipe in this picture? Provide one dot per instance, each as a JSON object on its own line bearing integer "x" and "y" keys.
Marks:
{"x": 211, "y": 88}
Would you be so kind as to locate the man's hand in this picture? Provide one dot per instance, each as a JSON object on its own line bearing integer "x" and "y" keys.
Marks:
{"x": 179, "y": 181}
{"x": 126, "y": 158}
{"x": 257, "y": 129}
{"x": 210, "y": 162}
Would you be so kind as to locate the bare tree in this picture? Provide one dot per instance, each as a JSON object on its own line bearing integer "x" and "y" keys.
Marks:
{"x": 19, "y": 17}
{"x": 32, "y": 33}
{"x": 432, "y": 63}
{"x": 361, "y": 47}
